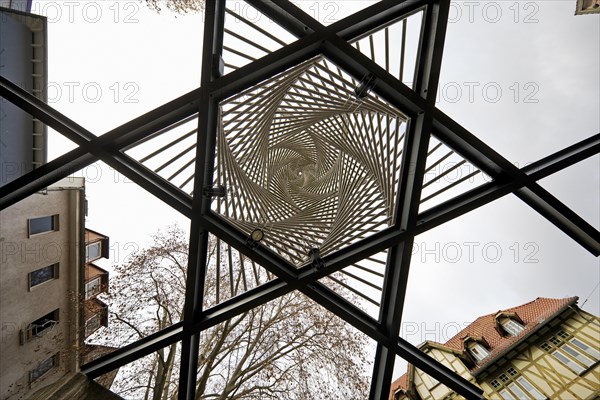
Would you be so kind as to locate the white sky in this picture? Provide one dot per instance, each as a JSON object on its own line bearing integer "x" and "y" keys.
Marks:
{"x": 543, "y": 59}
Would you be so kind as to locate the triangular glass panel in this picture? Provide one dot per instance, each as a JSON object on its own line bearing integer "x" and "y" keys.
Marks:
{"x": 229, "y": 273}
{"x": 289, "y": 345}
{"x": 395, "y": 47}
{"x": 361, "y": 283}
{"x": 447, "y": 175}
{"x": 170, "y": 152}
{"x": 249, "y": 35}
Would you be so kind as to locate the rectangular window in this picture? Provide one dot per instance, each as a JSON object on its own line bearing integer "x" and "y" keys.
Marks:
{"x": 478, "y": 351}
{"x": 42, "y": 275}
{"x": 43, "y": 224}
{"x": 530, "y": 388}
{"x": 92, "y": 325}
{"x": 577, "y": 355}
{"x": 512, "y": 327}
{"x": 587, "y": 349}
{"x": 546, "y": 347}
{"x": 518, "y": 392}
{"x": 38, "y": 327}
{"x": 43, "y": 368}
{"x": 92, "y": 251}
{"x": 92, "y": 288}
{"x": 506, "y": 395}
{"x": 568, "y": 362}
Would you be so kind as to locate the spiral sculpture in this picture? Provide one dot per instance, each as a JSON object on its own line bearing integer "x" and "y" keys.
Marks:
{"x": 309, "y": 159}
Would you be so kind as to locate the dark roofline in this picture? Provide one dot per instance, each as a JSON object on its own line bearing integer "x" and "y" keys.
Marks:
{"x": 536, "y": 328}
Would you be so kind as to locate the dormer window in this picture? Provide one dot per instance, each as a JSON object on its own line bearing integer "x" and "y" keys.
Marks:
{"x": 477, "y": 350}
{"x": 512, "y": 327}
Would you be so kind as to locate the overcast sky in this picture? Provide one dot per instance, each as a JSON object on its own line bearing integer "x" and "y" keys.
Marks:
{"x": 521, "y": 76}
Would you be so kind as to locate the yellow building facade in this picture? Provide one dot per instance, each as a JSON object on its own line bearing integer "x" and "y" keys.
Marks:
{"x": 544, "y": 349}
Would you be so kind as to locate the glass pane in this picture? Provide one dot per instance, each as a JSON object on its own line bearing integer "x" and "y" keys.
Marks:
{"x": 580, "y": 357}
{"x": 518, "y": 392}
{"x": 92, "y": 251}
{"x": 41, "y": 224}
{"x": 574, "y": 366}
{"x": 44, "y": 367}
{"x": 590, "y": 350}
{"x": 42, "y": 275}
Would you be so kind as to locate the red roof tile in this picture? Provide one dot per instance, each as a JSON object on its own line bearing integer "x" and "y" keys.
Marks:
{"x": 532, "y": 314}
{"x": 400, "y": 383}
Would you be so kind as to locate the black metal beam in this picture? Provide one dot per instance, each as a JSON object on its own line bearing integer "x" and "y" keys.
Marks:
{"x": 92, "y": 148}
{"x": 133, "y": 351}
{"x": 375, "y": 17}
{"x": 288, "y": 16}
{"x": 208, "y": 123}
{"x": 383, "y": 240}
{"x": 433, "y": 33}
{"x": 360, "y": 320}
{"x": 489, "y": 161}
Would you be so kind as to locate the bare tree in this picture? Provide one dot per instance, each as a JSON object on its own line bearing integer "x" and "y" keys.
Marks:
{"x": 179, "y": 6}
{"x": 289, "y": 348}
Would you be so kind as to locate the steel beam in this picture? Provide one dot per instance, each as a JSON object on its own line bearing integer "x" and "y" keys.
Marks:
{"x": 433, "y": 33}
{"x": 92, "y": 148}
{"x": 208, "y": 122}
{"x": 489, "y": 161}
{"x": 133, "y": 351}
{"x": 358, "y": 251}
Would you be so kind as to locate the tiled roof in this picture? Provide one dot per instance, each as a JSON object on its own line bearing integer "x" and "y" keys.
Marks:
{"x": 532, "y": 314}
{"x": 400, "y": 383}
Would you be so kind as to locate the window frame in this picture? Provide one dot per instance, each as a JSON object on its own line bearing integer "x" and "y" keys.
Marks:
{"x": 522, "y": 381}
{"x": 55, "y": 362}
{"x": 54, "y": 218}
{"x": 87, "y": 246}
{"x": 87, "y": 324}
{"x": 53, "y": 319}
{"x": 512, "y": 385}
{"x": 515, "y": 327}
{"x": 567, "y": 353}
{"x": 595, "y": 354}
{"x": 478, "y": 347}
{"x": 55, "y": 275}
{"x": 88, "y": 293}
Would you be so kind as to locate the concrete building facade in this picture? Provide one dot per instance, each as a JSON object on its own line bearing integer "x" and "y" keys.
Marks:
{"x": 41, "y": 243}
{"x": 23, "y": 61}
{"x": 545, "y": 349}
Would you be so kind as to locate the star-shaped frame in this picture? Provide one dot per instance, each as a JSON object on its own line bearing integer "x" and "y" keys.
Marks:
{"x": 417, "y": 103}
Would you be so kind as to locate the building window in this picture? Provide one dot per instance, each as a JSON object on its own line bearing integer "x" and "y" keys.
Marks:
{"x": 43, "y": 224}
{"x": 92, "y": 288}
{"x": 42, "y": 275}
{"x": 530, "y": 388}
{"x": 43, "y": 368}
{"x": 92, "y": 325}
{"x": 92, "y": 251}
{"x": 512, "y": 327}
{"x": 478, "y": 351}
{"x": 570, "y": 353}
{"x": 40, "y": 326}
{"x": 510, "y": 385}
{"x": 568, "y": 362}
{"x": 587, "y": 349}
{"x": 505, "y": 394}
{"x": 563, "y": 334}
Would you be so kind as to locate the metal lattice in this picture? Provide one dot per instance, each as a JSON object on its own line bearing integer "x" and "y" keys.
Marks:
{"x": 281, "y": 126}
